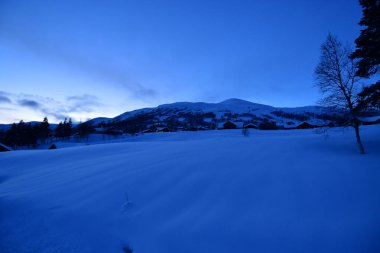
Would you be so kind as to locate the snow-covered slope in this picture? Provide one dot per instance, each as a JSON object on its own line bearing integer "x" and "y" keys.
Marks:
{"x": 186, "y": 116}
{"x": 210, "y": 191}
{"x": 98, "y": 120}
{"x": 232, "y": 105}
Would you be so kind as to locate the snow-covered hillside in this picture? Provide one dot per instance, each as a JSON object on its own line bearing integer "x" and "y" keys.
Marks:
{"x": 209, "y": 191}
{"x": 206, "y": 116}
{"x": 236, "y": 110}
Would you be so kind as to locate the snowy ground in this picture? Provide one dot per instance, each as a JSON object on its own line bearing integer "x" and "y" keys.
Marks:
{"x": 217, "y": 191}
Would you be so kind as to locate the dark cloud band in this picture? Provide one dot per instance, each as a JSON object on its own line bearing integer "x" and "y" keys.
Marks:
{"x": 5, "y": 99}
{"x": 29, "y": 103}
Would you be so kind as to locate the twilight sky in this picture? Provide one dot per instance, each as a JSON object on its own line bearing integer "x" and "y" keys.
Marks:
{"x": 88, "y": 58}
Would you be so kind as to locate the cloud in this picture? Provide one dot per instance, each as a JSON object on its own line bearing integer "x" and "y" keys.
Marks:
{"x": 77, "y": 105}
{"x": 83, "y": 103}
{"x": 7, "y": 109}
{"x": 109, "y": 74}
{"x": 43, "y": 105}
{"x": 56, "y": 115}
{"x": 30, "y": 103}
{"x": 5, "y": 100}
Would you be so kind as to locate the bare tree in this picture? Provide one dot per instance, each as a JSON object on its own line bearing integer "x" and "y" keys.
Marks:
{"x": 337, "y": 80}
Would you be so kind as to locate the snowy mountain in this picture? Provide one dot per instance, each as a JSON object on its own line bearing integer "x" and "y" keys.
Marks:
{"x": 187, "y": 115}
{"x": 236, "y": 106}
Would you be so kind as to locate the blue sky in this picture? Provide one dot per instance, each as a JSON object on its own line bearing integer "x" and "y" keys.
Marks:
{"x": 84, "y": 59}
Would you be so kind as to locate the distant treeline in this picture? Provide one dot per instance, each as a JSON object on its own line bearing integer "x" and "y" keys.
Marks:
{"x": 31, "y": 134}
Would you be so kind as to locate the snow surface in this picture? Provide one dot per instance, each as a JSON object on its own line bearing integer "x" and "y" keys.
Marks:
{"x": 208, "y": 191}
{"x": 370, "y": 119}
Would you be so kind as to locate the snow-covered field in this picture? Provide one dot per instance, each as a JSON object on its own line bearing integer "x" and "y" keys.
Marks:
{"x": 216, "y": 191}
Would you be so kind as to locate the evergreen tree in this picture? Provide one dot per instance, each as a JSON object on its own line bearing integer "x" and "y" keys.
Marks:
{"x": 26, "y": 134}
{"x": 21, "y": 134}
{"x": 42, "y": 130}
{"x": 11, "y": 136}
{"x": 368, "y": 42}
{"x": 369, "y": 98}
{"x": 368, "y": 52}
{"x": 68, "y": 125}
{"x": 84, "y": 129}
{"x": 59, "y": 133}
{"x": 64, "y": 129}
{"x": 29, "y": 136}
{"x": 45, "y": 131}
{"x": 2, "y": 136}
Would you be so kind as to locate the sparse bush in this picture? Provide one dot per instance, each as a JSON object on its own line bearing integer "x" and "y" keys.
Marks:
{"x": 127, "y": 249}
{"x": 52, "y": 146}
{"x": 245, "y": 132}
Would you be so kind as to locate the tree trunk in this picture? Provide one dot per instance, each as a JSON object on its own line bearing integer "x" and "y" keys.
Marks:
{"x": 358, "y": 139}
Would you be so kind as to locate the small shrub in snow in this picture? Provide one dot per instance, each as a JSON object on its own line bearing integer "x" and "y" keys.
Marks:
{"x": 52, "y": 146}
{"x": 245, "y": 132}
{"x": 127, "y": 249}
{"x": 126, "y": 205}
{"x": 323, "y": 131}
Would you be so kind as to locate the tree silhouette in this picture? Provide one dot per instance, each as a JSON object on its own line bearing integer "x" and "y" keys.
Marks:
{"x": 44, "y": 131}
{"x": 84, "y": 129}
{"x": 337, "y": 80}
{"x": 368, "y": 43}
{"x": 368, "y": 52}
